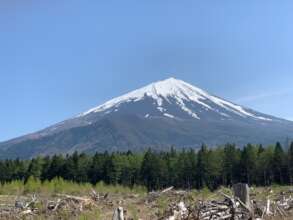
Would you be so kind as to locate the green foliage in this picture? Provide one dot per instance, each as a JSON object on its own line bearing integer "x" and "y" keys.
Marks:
{"x": 205, "y": 193}
{"x": 290, "y": 163}
{"x": 153, "y": 170}
{"x": 248, "y": 163}
{"x": 96, "y": 214}
{"x": 32, "y": 185}
{"x": 35, "y": 168}
{"x": 15, "y": 187}
{"x": 61, "y": 186}
{"x": 133, "y": 172}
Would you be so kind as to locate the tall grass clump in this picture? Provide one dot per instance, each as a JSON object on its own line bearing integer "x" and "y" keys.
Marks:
{"x": 32, "y": 185}
{"x": 12, "y": 188}
{"x": 102, "y": 187}
{"x": 61, "y": 186}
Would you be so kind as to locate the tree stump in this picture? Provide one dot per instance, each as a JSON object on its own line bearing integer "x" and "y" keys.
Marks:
{"x": 118, "y": 214}
{"x": 241, "y": 191}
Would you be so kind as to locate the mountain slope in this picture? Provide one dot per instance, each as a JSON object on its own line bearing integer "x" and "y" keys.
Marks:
{"x": 165, "y": 113}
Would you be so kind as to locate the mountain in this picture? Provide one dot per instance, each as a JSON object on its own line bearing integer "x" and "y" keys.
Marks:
{"x": 163, "y": 114}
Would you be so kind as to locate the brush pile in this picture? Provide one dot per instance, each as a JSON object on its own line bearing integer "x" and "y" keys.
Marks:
{"x": 20, "y": 209}
{"x": 233, "y": 207}
{"x": 169, "y": 204}
{"x": 24, "y": 208}
{"x": 208, "y": 210}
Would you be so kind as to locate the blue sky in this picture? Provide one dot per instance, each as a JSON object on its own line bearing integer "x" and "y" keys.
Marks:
{"x": 60, "y": 58}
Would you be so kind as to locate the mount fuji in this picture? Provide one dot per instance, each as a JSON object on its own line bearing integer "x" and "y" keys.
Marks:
{"x": 163, "y": 114}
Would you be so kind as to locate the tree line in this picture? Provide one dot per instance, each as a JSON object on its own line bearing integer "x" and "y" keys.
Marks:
{"x": 206, "y": 167}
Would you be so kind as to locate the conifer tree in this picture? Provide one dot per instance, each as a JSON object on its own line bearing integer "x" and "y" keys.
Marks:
{"x": 201, "y": 167}
{"x": 153, "y": 171}
{"x": 230, "y": 164}
{"x": 248, "y": 164}
{"x": 290, "y": 163}
{"x": 278, "y": 168}
{"x": 35, "y": 168}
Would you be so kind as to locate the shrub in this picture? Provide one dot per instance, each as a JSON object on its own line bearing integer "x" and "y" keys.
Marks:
{"x": 32, "y": 185}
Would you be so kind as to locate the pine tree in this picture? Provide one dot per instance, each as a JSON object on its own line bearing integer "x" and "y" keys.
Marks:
{"x": 290, "y": 163}
{"x": 56, "y": 167}
{"x": 35, "y": 168}
{"x": 96, "y": 168}
{"x": 201, "y": 167}
{"x": 46, "y": 168}
{"x": 185, "y": 169}
{"x": 248, "y": 164}
{"x": 19, "y": 170}
{"x": 153, "y": 171}
{"x": 214, "y": 168}
{"x": 278, "y": 162}
{"x": 109, "y": 172}
{"x": 172, "y": 167}
{"x": 69, "y": 167}
{"x": 230, "y": 168}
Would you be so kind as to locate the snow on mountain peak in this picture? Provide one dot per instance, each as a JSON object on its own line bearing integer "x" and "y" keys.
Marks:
{"x": 180, "y": 91}
{"x": 160, "y": 90}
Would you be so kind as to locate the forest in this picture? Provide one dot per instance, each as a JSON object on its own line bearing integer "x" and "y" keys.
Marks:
{"x": 184, "y": 169}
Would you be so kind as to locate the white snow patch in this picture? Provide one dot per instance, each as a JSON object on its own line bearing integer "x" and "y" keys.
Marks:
{"x": 161, "y": 109}
{"x": 224, "y": 114}
{"x": 181, "y": 92}
{"x": 169, "y": 115}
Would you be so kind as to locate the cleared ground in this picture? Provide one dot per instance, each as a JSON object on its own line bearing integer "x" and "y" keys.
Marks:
{"x": 65, "y": 200}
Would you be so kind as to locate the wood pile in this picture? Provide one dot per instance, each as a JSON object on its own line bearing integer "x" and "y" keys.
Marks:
{"x": 20, "y": 209}
{"x": 170, "y": 192}
{"x": 239, "y": 205}
{"x": 73, "y": 204}
{"x": 232, "y": 207}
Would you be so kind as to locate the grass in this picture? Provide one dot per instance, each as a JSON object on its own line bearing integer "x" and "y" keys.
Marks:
{"x": 133, "y": 211}
{"x": 101, "y": 187}
{"x": 48, "y": 190}
{"x": 132, "y": 197}
{"x": 60, "y": 186}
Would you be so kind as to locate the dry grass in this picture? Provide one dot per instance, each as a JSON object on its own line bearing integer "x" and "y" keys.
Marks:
{"x": 132, "y": 199}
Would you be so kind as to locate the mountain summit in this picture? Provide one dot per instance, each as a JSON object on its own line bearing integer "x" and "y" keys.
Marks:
{"x": 182, "y": 94}
{"x": 163, "y": 114}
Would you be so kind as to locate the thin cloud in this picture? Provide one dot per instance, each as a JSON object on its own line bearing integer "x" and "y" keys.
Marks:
{"x": 263, "y": 95}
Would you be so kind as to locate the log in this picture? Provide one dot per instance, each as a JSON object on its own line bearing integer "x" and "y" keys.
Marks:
{"x": 74, "y": 198}
{"x": 94, "y": 195}
{"x": 27, "y": 212}
{"x": 167, "y": 190}
{"x": 182, "y": 209}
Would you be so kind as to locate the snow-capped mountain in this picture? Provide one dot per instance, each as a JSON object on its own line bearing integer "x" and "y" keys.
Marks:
{"x": 164, "y": 113}
{"x": 190, "y": 99}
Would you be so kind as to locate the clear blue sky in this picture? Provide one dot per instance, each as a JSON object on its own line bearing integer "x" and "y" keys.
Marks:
{"x": 60, "y": 58}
